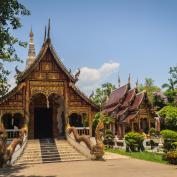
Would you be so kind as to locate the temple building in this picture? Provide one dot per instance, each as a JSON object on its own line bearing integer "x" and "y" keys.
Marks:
{"x": 131, "y": 110}
{"x": 46, "y": 97}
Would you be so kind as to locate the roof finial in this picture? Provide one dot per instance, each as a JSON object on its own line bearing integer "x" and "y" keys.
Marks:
{"x": 48, "y": 35}
{"x": 31, "y": 33}
{"x": 129, "y": 80}
{"x": 45, "y": 34}
{"x": 31, "y": 50}
{"x": 119, "y": 81}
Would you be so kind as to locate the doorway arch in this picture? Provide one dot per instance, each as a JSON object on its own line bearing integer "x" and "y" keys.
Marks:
{"x": 41, "y": 117}
{"x": 47, "y": 116}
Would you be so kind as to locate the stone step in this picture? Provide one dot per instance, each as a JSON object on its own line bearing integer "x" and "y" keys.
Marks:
{"x": 48, "y": 151}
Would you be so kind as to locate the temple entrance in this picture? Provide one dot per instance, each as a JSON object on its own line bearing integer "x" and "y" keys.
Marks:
{"x": 144, "y": 125}
{"x": 47, "y": 116}
{"x": 43, "y": 123}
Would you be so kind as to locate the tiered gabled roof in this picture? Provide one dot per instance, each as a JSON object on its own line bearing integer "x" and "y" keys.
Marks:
{"x": 115, "y": 98}
{"x": 124, "y": 103}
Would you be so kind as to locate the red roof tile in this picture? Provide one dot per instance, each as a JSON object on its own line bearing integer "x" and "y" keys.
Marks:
{"x": 122, "y": 112}
{"x": 116, "y": 95}
{"x": 130, "y": 117}
{"x": 129, "y": 97}
{"x": 110, "y": 109}
{"x": 138, "y": 100}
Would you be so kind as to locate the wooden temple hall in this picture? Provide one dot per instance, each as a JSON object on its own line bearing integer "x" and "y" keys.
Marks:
{"x": 131, "y": 110}
{"x": 46, "y": 97}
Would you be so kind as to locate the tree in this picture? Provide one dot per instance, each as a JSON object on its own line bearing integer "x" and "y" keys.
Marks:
{"x": 171, "y": 97}
{"x": 159, "y": 100}
{"x": 149, "y": 82}
{"x": 169, "y": 113}
{"x": 10, "y": 12}
{"x": 172, "y": 81}
{"x": 149, "y": 87}
{"x": 102, "y": 93}
{"x": 4, "y": 86}
{"x": 106, "y": 119}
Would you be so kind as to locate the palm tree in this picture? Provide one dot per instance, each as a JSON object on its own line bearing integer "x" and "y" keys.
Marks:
{"x": 170, "y": 85}
{"x": 108, "y": 88}
{"x": 149, "y": 82}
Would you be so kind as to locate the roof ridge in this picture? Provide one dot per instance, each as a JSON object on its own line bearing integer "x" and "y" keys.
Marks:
{"x": 119, "y": 87}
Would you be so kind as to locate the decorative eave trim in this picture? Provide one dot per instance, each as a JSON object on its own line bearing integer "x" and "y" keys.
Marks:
{"x": 11, "y": 93}
{"x": 82, "y": 95}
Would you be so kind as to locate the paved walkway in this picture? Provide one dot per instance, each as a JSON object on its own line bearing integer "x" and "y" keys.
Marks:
{"x": 122, "y": 167}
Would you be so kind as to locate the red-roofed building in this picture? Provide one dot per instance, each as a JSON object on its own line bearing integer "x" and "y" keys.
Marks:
{"x": 131, "y": 110}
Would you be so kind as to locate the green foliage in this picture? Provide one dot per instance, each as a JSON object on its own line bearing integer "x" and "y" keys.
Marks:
{"x": 174, "y": 145}
{"x": 171, "y": 157}
{"x": 134, "y": 141}
{"x": 169, "y": 134}
{"x": 169, "y": 113}
{"x": 153, "y": 131}
{"x": 10, "y": 11}
{"x": 107, "y": 120}
{"x": 4, "y": 86}
{"x": 149, "y": 87}
{"x": 172, "y": 81}
{"x": 102, "y": 94}
{"x": 85, "y": 120}
{"x": 171, "y": 96}
{"x": 95, "y": 121}
{"x": 169, "y": 138}
{"x": 109, "y": 138}
{"x": 159, "y": 100}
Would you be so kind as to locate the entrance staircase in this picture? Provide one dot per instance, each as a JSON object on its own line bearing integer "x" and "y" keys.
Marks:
{"x": 49, "y": 151}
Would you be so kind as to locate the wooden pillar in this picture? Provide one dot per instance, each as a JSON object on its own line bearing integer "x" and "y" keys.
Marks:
{"x": 66, "y": 102}
{"x": 119, "y": 133}
{"x": 27, "y": 111}
{"x": 90, "y": 117}
{"x": 139, "y": 124}
{"x": 132, "y": 126}
{"x": 149, "y": 123}
{"x": 123, "y": 130}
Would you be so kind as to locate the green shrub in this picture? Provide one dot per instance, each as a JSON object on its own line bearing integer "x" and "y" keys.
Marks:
{"x": 108, "y": 138}
{"x": 169, "y": 138}
{"x": 174, "y": 145}
{"x": 153, "y": 132}
{"x": 134, "y": 141}
{"x": 171, "y": 157}
{"x": 169, "y": 113}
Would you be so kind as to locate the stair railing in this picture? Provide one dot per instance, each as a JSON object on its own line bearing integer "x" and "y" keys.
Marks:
{"x": 12, "y": 133}
{"x": 19, "y": 149}
{"x": 83, "y": 130}
{"x": 93, "y": 151}
{"x": 80, "y": 142}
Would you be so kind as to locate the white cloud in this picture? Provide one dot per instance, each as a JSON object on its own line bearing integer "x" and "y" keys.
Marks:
{"x": 91, "y": 78}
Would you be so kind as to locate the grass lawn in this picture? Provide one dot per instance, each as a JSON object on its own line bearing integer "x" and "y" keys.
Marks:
{"x": 140, "y": 155}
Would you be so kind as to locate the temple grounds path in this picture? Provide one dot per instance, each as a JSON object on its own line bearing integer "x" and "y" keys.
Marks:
{"x": 122, "y": 167}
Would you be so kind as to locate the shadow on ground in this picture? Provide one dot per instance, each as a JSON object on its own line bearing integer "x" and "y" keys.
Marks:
{"x": 14, "y": 170}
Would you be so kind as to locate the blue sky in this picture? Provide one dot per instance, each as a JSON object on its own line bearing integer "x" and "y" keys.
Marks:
{"x": 104, "y": 37}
